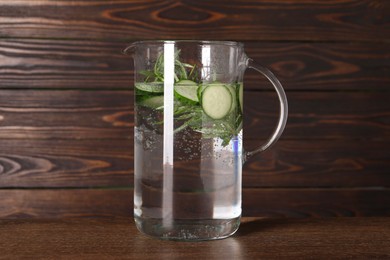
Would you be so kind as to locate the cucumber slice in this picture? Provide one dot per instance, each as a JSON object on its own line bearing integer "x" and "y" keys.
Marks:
{"x": 200, "y": 90}
{"x": 234, "y": 97}
{"x": 152, "y": 87}
{"x": 241, "y": 95}
{"x": 216, "y": 101}
{"x": 153, "y": 102}
{"x": 204, "y": 86}
{"x": 188, "y": 90}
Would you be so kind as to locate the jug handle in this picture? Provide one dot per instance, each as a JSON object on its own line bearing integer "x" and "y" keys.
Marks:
{"x": 283, "y": 108}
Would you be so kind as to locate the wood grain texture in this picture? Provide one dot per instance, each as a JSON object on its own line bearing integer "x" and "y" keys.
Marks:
{"x": 66, "y": 64}
{"x": 313, "y": 202}
{"x": 65, "y": 203}
{"x": 109, "y": 163}
{"x": 329, "y": 238}
{"x": 323, "y": 66}
{"x": 66, "y": 163}
{"x": 66, "y": 117}
{"x": 337, "y": 20}
{"x": 37, "y": 114}
{"x": 316, "y": 202}
{"x": 59, "y": 64}
{"x": 320, "y": 164}
{"x": 320, "y": 115}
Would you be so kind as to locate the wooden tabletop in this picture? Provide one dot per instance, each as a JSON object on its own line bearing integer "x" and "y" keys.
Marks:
{"x": 257, "y": 238}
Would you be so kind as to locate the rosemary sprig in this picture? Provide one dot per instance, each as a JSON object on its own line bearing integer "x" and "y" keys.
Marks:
{"x": 157, "y": 73}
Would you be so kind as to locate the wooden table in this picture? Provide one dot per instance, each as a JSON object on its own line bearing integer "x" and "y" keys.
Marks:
{"x": 257, "y": 238}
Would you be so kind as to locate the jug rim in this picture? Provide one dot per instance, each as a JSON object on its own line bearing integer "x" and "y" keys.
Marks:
{"x": 233, "y": 43}
{"x": 132, "y": 45}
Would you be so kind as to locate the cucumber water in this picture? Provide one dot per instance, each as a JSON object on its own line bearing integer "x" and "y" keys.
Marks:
{"x": 205, "y": 176}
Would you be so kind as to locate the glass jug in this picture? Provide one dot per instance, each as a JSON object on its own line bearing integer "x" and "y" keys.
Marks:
{"x": 188, "y": 136}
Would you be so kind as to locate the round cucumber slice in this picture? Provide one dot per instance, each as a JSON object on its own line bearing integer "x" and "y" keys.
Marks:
{"x": 234, "y": 97}
{"x": 153, "y": 102}
{"x": 241, "y": 96}
{"x": 188, "y": 90}
{"x": 203, "y": 86}
{"x": 200, "y": 90}
{"x": 217, "y": 101}
{"x": 152, "y": 87}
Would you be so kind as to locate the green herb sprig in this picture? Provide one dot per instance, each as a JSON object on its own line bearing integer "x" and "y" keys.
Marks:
{"x": 157, "y": 73}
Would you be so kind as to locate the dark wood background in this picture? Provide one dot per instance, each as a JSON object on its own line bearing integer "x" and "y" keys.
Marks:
{"x": 66, "y": 102}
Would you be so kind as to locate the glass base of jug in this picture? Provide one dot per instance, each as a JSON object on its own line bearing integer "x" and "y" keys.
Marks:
{"x": 188, "y": 229}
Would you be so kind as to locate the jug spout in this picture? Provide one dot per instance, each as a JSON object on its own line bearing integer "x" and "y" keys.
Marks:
{"x": 129, "y": 50}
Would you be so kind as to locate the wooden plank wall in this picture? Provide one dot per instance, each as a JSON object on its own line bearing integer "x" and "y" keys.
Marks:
{"x": 66, "y": 104}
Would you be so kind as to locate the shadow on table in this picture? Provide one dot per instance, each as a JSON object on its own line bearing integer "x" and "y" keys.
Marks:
{"x": 260, "y": 224}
